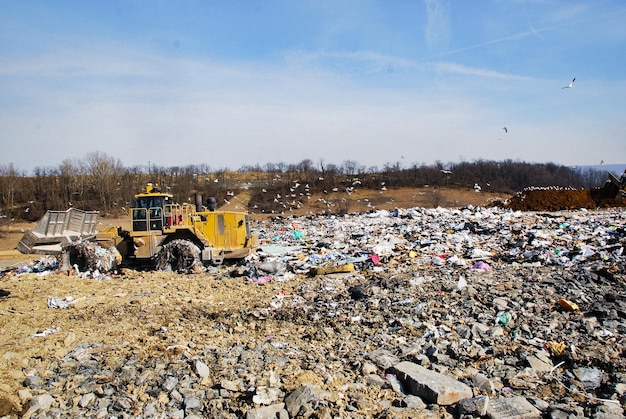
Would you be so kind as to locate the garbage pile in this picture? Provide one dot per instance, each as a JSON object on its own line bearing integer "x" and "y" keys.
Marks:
{"x": 89, "y": 259}
{"x": 42, "y": 266}
{"x": 180, "y": 256}
{"x": 420, "y": 238}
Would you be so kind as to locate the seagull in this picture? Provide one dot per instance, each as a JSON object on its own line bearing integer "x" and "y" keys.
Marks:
{"x": 570, "y": 85}
{"x": 505, "y": 129}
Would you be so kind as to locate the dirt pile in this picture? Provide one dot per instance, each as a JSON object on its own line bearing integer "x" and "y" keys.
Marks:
{"x": 551, "y": 199}
{"x": 558, "y": 199}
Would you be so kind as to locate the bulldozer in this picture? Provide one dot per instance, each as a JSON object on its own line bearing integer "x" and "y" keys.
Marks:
{"x": 613, "y": 190}
{"x": 162, "y": 235}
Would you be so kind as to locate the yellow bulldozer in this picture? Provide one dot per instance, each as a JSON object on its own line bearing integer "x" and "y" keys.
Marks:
{"x": 163, "y": 234}
{"x": 612, "y": 193}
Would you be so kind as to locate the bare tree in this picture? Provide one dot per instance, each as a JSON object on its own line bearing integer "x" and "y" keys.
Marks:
{"x": 72, "y": 182}
{"x": 9, "y": 188}
{"x": 104, "y": 172}
{"x": 350, "y": 167}
{"x": 306, "y": 168}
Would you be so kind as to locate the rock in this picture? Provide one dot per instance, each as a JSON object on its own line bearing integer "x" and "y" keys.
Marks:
{"x": 266, "y": 412}
{"x": 609, "y": 411}
{"x": 87, "y": 400}
{"x": 375, "y": 380}
{"x": 542, "y": 405}
{"x": 590, "y": 377}
{"x": 150, "y": 410}
{"x": 568, "y": 305}
{"x": 566, "y": 411}
{"x": 24, "y": 395}
{"x": 483, "y": 384}
{"x": 177, "y": 414}
{"x": 512, "y": 408}
{"x": 540, "y": 361}
{"x": 297, "y": 398}
{"x": 39, "y": 403}
{"x": 33, "y": 382}
{"x": 474, "y": 406}
{"x": 368, "y": 368}
{"x": 170, "y": 383}
{"x": 202, "y": 369}
{"x": 430, "y": 385}
{"x": 266, "y": 395}
{"x": 192, "y": 403}
{"x": 231, "y": 385}
{"x": 413, "y": 402}
{"x": 384, "y": 359}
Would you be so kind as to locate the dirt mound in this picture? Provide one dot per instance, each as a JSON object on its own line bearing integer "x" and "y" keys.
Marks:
{"x": 551, "y": 199}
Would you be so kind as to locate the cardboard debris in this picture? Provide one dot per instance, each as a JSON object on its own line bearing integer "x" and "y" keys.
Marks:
{"x": 332, "y": 269}
{"x": 568, "y": 305}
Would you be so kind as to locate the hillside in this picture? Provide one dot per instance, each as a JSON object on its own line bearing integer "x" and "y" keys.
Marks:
{"x": 363, "y": 200}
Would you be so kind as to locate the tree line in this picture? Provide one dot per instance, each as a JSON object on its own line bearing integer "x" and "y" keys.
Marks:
{"x": 101, "y": 182}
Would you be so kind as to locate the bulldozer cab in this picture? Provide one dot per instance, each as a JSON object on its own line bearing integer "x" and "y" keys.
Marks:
{"x": 148, "y": 211}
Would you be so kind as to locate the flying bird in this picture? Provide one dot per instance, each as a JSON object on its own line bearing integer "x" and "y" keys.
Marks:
{"x": 505, "y": 129}
{"x": 570, "y": 85}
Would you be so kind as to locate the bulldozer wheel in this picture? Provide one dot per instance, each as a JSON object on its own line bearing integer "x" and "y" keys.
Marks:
{"x": 181, "y": 256}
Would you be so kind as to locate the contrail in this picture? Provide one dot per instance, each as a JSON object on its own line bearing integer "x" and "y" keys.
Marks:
{"x": 530, "y": 25}
{"x": 532, "y": 31}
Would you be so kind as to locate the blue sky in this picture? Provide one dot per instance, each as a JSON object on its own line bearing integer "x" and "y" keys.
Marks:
{"x": 237, "y": 83}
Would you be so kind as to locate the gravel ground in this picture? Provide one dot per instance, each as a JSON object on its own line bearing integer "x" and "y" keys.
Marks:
{"x": 224, "y": 344}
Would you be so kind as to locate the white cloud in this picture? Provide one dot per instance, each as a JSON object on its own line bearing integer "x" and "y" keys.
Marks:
{"x": 455, "y": 68}
{"x": 364, "y": 105}
{"x": 437, "y": 30}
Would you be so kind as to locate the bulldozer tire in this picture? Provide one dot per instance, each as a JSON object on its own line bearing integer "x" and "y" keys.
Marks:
{"x": 180, "y": 256}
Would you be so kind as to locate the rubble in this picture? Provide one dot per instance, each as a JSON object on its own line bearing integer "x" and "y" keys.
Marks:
{"x": 443, "y": 313}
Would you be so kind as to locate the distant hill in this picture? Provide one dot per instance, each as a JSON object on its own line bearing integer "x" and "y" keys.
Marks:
{"x": 616, "y": 169}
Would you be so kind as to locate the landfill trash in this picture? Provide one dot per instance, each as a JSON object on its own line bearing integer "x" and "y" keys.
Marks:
{"x": 568, "y": 305}
{"x": 261, "y": 279}
{"x": 55, "y": 302}
{"x": 332, "y": 269}
{"x": 46, "y": 332}
{"x": 277, "y": 300}
{"x": 481, "y": 266}
{"x": 557, "y": 348}
{"x": 395, "y": 383}
{"x": 44, "y": 264}
{"x": 180, "y": 256}
{"x": 504, "y": 318}
{"x": 89, "y": 256}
